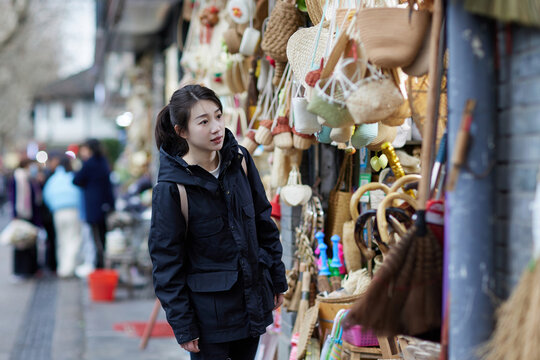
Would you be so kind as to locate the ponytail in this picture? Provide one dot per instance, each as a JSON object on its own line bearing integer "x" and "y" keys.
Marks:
{"x": 180, "y": 104}
{"x": 166, "y": 136}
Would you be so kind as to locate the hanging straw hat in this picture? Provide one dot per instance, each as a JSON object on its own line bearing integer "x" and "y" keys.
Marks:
{"x": 301, "y": 47}
{"x": 385, "y": 134}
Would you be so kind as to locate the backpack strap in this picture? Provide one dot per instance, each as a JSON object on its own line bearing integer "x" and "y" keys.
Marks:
{"x": 244, "y": 164}
{"x": 183, "y": 203}
{"x": 184, "y": 208}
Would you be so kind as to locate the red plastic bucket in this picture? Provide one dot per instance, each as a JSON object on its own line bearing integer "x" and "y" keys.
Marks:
{"x": 102, "y": 284}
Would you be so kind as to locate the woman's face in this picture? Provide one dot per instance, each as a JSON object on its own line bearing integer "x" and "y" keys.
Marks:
{"x": 206, "y": 128}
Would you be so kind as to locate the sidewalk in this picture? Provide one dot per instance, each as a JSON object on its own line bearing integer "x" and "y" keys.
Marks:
{"x": 51, "y": 319}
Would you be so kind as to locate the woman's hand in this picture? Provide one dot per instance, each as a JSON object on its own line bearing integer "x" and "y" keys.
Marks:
{"x": 191, "y": 346}
{"x": 278, "y": 300}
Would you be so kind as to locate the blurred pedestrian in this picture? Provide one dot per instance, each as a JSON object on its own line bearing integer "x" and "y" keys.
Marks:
{"x": 50, "y": 262}
{"x": 217, "y": 272}
{"x": 94, "y": 179}
{"x": 25, "y": 196}
{"x": 63, "y": 198}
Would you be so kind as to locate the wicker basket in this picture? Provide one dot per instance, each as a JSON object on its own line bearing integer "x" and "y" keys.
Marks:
{"x": 329, "y": 307}
{"x": 392, "y": 36}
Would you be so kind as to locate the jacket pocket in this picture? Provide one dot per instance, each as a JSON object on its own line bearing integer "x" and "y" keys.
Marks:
{"x": 267, "y": 290}
{"x": 212, "y": 281}
{"x": 249, "y": 210}
{"x": 217, "y": 299}
{"x": 207, "y": 227}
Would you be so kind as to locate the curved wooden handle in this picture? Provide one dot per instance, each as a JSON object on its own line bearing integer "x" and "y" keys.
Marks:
{"x": 382, "y": 224}
{"x": 353, "y": 207}
{"x": 404, "y": 180}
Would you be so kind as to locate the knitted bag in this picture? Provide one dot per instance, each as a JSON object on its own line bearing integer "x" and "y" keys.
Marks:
{"x": 284, "y": 20}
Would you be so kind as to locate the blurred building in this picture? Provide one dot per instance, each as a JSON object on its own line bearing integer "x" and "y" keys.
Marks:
{"x": 65, "y": 112}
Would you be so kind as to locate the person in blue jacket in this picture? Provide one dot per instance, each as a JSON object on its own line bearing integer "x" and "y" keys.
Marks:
{"x": 94, "y": 179}
{"x": 62, "y": 198}
{"x": 219, "y": 276}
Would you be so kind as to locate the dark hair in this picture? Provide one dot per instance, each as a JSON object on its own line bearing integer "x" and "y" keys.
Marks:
{"x": 65, "y": 162}
{"x": 95, "y": 147}
{"x": 25, "y": 162}
{"x": 177, "y": 112}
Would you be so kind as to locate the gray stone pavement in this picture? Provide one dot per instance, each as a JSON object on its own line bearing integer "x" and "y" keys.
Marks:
{"x": 51, "y": 319}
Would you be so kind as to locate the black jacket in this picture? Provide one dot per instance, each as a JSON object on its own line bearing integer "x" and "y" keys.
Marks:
{"x": 94, "y": 179}
{"x": 216, "y": 282}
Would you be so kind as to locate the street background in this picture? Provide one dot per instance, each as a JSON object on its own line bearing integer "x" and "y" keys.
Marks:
{"x": 48, "y": 318}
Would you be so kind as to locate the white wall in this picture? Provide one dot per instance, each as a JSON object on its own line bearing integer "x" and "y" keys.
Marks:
{"x": 51, "y": 126}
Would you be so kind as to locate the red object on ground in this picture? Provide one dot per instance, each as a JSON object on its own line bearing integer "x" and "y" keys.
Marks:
{"x": 103, "y": 284}
{"x": 136, "y": 328}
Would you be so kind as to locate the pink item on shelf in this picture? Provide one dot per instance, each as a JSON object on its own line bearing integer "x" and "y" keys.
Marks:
{"x": 359, "y": 337}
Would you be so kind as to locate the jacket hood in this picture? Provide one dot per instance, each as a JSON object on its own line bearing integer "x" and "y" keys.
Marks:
{"x": 173, "y": 168}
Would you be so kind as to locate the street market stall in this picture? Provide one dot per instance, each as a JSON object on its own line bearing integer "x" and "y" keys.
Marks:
{"x": 365, "y": 79}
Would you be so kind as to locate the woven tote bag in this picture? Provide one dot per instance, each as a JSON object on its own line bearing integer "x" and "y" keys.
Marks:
{"x": 339, "y": 200}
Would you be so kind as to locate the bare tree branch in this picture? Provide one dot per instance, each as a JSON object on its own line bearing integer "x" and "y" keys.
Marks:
{"x": 17, "y": 12}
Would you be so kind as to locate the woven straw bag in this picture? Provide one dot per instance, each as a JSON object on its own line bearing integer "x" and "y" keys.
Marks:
{"x": 284, "y": 20}
{"x": 392, "y": 36}
{"x": 417, "y": 96}
{"x": 420, "y": 65}
{"x": 330, "y": 107}
{"x": 328, "y": 309}
{"x": 375, "y": 98}
{"x": 399, "y": 116}
{"x": 339, "y": 200}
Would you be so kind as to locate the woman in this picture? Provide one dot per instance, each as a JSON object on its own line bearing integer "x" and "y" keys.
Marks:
{"x": 94, "y": 179}
{"x": 25, "y": 198}
{"x": 220, "y": 276}
{"x": 63, "y": 198}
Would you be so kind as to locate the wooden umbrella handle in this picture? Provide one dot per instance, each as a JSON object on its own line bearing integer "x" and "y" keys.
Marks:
{"x": 382, "y": 223}
{"x": 353, "y": 208}
{"x": 404, "y": 180}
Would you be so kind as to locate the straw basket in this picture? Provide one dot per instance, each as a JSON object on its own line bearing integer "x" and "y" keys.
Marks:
{"x": 328, "y": 309}
{"x": 392, "y": 36}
